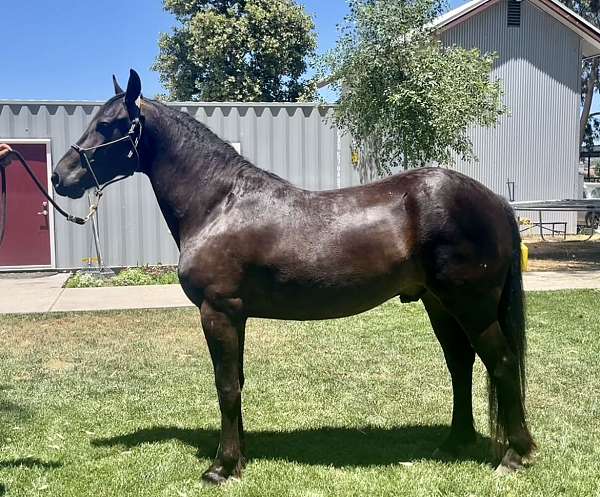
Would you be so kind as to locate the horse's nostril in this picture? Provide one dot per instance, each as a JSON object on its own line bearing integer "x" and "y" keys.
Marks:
{"x": 55, "y": 179}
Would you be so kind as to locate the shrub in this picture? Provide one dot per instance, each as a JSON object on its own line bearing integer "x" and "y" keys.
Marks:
{"x": 134, "y": 276}
{"x": 84, "y": 280}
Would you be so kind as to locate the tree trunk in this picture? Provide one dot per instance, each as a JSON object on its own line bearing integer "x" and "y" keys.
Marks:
{"x": 589, "y": 95}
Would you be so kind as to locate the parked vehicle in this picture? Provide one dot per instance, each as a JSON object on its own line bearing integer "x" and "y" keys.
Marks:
{"x": 591, "y": 219}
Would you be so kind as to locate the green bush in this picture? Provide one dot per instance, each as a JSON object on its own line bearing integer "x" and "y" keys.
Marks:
{"x": 84, "y": 280}
{"x": 134, "y": 276}
{"x": 169, "y": 278}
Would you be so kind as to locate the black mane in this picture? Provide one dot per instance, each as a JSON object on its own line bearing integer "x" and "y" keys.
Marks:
{"x": 207, "y": 144}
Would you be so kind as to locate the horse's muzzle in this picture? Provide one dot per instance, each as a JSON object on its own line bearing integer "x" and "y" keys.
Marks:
{"x": 72, "y": 191}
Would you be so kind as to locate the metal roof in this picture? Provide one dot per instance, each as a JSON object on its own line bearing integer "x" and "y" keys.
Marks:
{"x": 589, "y": 33}
{"x": 174, "y": 104}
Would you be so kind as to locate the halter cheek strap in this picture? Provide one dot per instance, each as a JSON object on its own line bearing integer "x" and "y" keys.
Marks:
{"x": 133, "y": 135}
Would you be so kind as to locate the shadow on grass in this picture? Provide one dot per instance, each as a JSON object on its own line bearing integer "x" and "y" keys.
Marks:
{"x": 8, "y": 408}
{"x": 26, "y": 462}
{"x": 10, "y": 413}
{"x": 29, "y": 462}
{"x": 336, "y": 447}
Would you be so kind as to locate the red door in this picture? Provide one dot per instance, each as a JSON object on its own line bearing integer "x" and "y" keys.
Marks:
{"x": 27, "y": 238}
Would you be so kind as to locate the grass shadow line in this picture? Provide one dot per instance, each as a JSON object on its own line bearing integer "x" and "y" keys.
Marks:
{"x": 8, "y": 408}
{"x": 338, "y": 447}
{"x": 29, "y": 462}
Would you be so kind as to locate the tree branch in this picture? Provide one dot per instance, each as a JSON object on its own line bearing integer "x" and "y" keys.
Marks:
{"x": 589, "y": 95}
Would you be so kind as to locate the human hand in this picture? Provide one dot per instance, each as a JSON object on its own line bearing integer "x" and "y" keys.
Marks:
{"x": 4, "y": 151}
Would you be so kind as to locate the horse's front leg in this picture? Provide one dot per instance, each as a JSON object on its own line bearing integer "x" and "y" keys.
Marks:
{"x": 225, "y": 337}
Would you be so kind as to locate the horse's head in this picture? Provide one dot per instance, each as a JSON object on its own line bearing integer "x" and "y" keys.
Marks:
{"x": 107, "y": 148}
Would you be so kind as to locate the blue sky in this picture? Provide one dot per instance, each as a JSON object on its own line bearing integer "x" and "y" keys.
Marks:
{"x": 67, "y": 50}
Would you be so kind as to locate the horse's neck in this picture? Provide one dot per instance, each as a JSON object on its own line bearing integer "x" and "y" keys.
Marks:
{"x": 182, "y": 175}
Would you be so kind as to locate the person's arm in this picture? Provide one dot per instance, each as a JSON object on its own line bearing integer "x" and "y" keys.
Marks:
{"x": 4, "y": 151}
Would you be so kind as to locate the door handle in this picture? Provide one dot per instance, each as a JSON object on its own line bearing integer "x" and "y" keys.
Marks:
{"x": 44, "y": 211}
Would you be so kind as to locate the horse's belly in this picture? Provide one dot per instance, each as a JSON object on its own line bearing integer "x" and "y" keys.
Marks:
{"x": 328, "y": 300}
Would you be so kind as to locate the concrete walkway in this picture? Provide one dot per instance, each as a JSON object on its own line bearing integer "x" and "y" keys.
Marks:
{"x": 42, "y": 294}
{"x": 561, "y": 280}
{"x": 46, "y": 294}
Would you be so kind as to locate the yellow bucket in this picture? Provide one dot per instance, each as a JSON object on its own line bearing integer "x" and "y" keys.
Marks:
{"x": 524, "y": 257}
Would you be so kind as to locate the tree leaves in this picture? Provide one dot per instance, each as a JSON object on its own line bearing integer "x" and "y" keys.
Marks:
{"x": 403, "y": 92}
{"x": 234, "y": 50}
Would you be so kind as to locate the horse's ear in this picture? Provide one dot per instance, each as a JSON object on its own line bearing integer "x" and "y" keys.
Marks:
{"x": 133, "y": 94}
{"x": 118, "y": 89}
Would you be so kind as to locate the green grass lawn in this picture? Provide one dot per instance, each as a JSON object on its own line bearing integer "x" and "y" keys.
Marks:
{"x": 123, "y": 404}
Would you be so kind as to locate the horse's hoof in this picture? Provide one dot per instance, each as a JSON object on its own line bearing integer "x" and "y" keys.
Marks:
{"x": 214, "y": 476}
{"x": 511, "y": 462}
{"x": 217, "y": 474}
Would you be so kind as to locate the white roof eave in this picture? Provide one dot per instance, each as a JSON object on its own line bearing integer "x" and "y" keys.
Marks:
{"x": 442, "y": 21}
{"x": 590, "y": 48}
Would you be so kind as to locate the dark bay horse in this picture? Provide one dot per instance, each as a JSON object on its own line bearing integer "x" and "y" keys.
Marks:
{"x": 254, "y": 245}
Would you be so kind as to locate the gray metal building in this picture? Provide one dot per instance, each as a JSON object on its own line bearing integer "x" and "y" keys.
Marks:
{"x": 540, "y": 45}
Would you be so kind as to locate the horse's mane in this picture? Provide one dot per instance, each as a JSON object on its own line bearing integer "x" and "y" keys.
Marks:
{"x": 207, "y": 143}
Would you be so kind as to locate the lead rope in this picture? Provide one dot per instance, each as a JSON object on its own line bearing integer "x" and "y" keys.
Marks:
{"x": 62, "y": 212}
{"x": 2, "y": 202}
{"x": 69, "y": 217}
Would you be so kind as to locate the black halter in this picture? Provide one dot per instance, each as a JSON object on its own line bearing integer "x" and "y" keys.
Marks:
{"x": 133, "y": 135}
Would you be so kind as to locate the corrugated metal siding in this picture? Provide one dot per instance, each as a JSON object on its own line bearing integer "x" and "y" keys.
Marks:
{"x": 297, "y": 142}
{"x": 539, "y": 65}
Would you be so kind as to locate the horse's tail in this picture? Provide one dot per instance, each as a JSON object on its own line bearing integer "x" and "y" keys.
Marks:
{"x": 511, "y": 316}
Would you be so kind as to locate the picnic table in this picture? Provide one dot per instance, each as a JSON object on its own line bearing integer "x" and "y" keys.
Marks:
{"x": 566, "y": 205}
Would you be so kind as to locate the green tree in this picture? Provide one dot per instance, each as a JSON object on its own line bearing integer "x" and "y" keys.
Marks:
{"x": 237, "y": 50}
{"x": 405, "y": 98}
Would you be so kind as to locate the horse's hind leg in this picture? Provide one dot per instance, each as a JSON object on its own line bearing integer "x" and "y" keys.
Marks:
{"x": 480, "y": 322}
{"x": 460, "y": 356}
{"x": 224, "y": 336}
